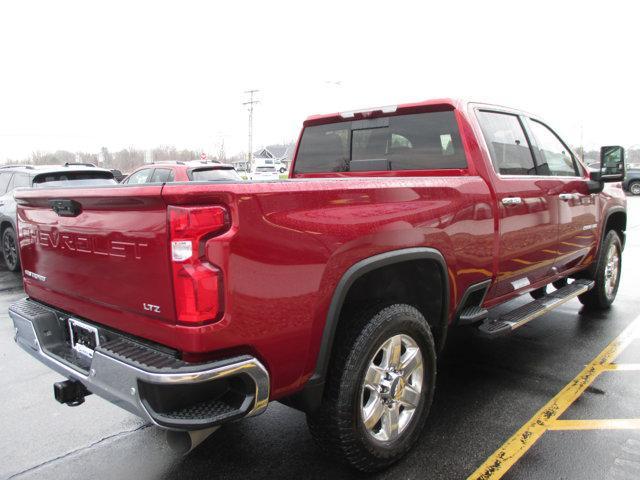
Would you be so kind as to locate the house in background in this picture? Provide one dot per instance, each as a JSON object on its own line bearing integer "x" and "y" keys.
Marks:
{"x": 274, "y": 155}
{"x": 278, "y": 155}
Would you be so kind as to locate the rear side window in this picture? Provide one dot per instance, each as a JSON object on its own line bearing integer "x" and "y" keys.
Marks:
{"x": 423, "y": 141}
{"x": 18, "y": 180}
{"x": 507, "y": 142}
{"x": 141, "y": 176}
{"x": 162, "y": 175}
{"x": 4, "y": 182}
{"x": 214, "y": 174}
{"x": 21, "y": 180}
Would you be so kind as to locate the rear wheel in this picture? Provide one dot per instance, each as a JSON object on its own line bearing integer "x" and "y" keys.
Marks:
{"x": 607, "y": 277}
{"x": 379, "y": 389}
{"x": 634, "y": 187}
{"x": 539, "y": 292}
{"x": 10, "y": 249}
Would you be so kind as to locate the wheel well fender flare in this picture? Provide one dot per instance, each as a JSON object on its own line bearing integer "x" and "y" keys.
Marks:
{"x": 356, "y": 271}
{"x": 606, "y": 219}
{"x": 591, "y": 270}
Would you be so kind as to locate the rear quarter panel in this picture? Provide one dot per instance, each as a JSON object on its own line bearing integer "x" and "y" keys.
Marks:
{"x": 291, "y": 242}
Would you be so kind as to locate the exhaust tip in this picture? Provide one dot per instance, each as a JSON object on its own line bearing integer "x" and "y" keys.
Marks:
{"x": 183, "y": 442}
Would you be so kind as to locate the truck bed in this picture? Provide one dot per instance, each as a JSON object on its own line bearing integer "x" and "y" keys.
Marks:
{"x": 288, "y": 244}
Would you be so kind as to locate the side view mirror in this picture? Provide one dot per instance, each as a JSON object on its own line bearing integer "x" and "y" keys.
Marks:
{"x": 612, "y": 168}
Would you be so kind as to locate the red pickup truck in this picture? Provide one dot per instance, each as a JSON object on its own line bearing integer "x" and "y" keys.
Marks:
{"x": 196, "y": 303}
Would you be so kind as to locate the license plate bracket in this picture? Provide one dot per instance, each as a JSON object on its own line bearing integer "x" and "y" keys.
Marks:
{"x": 84, "y": 337}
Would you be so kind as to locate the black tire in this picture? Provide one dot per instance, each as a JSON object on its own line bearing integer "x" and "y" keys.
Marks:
{"x": 603, "y": 293}
{"x": 558, "y": 284}
{"x": 338, "y": 425}
{"x": 10, "y": 252}
{"x": 539, "y": 292}
{"x": 634, "y": 187}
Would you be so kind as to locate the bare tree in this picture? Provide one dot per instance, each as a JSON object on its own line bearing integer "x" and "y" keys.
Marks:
{"x": 222, "y": 156}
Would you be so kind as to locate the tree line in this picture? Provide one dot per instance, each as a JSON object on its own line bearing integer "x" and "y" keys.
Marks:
{"x": 129, "y": 159}
{"x": 124, "y": 160}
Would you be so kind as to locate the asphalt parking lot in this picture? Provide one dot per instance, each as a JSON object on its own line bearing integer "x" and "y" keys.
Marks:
{"x": 560, "y": 398}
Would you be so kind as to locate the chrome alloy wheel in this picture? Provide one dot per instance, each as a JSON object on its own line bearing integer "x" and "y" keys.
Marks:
{"x": 391, "y": 389}
{"x": 611, "y": 271}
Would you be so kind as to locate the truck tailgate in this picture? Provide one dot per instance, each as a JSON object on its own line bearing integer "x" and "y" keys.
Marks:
{"x": 104, "y": 251}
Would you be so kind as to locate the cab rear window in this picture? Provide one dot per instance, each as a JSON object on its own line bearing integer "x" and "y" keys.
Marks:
{"x": 214, "y": 174}
{"x": 423, "y": 141}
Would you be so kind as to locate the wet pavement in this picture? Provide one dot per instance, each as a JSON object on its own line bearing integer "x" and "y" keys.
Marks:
{"x": 486, "y": 391}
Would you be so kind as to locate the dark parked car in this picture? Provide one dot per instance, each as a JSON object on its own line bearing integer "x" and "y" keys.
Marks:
{"x": 16, "y": 176}
{"x": 632, "y": 181}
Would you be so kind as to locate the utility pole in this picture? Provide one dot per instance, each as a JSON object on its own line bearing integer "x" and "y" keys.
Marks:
{"x": 582, "y": 139}
{"x": 251, "y": 102}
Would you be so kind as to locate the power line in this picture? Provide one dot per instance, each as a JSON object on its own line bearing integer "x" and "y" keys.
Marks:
{"x": 251, "y": 102}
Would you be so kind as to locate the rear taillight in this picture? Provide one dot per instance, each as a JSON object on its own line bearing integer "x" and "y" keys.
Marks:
{"x": 197, "y": 284}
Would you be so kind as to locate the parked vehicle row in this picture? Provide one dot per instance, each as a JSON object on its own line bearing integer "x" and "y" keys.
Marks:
{"x": 193, "y": 304}
{"x": 194, "y": 171}
{"x": 23, "y": 176}
{"x": 27, "y": 176}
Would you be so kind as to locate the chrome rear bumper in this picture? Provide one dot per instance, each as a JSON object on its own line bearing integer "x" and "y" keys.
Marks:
{"x": 148, "y": 382}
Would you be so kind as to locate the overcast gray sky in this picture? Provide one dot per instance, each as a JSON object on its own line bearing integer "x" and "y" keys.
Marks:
{"x": 81, "y": 75}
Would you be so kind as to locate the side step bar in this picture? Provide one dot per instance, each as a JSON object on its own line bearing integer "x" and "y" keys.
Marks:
{"x": 524, "y": 314}
{"x": 472, "y": 315}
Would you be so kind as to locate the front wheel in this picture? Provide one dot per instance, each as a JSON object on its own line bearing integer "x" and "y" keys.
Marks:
{"x": 10, "y": 249}
{"x": 634, "y": 188}
{"x": 379, "y": 388}
{"x": 558, "y": 284}
{"x": 607, "y": 277}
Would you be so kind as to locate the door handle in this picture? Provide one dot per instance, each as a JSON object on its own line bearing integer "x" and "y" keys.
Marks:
{"x": 508, "y": 201}
{"x": 567, "y": 196}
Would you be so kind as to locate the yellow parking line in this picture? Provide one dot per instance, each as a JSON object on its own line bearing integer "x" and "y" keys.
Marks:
{"x": 622, "y": 366}
{"x": 604, "y": 424}
{"x": 513, "y": 449}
